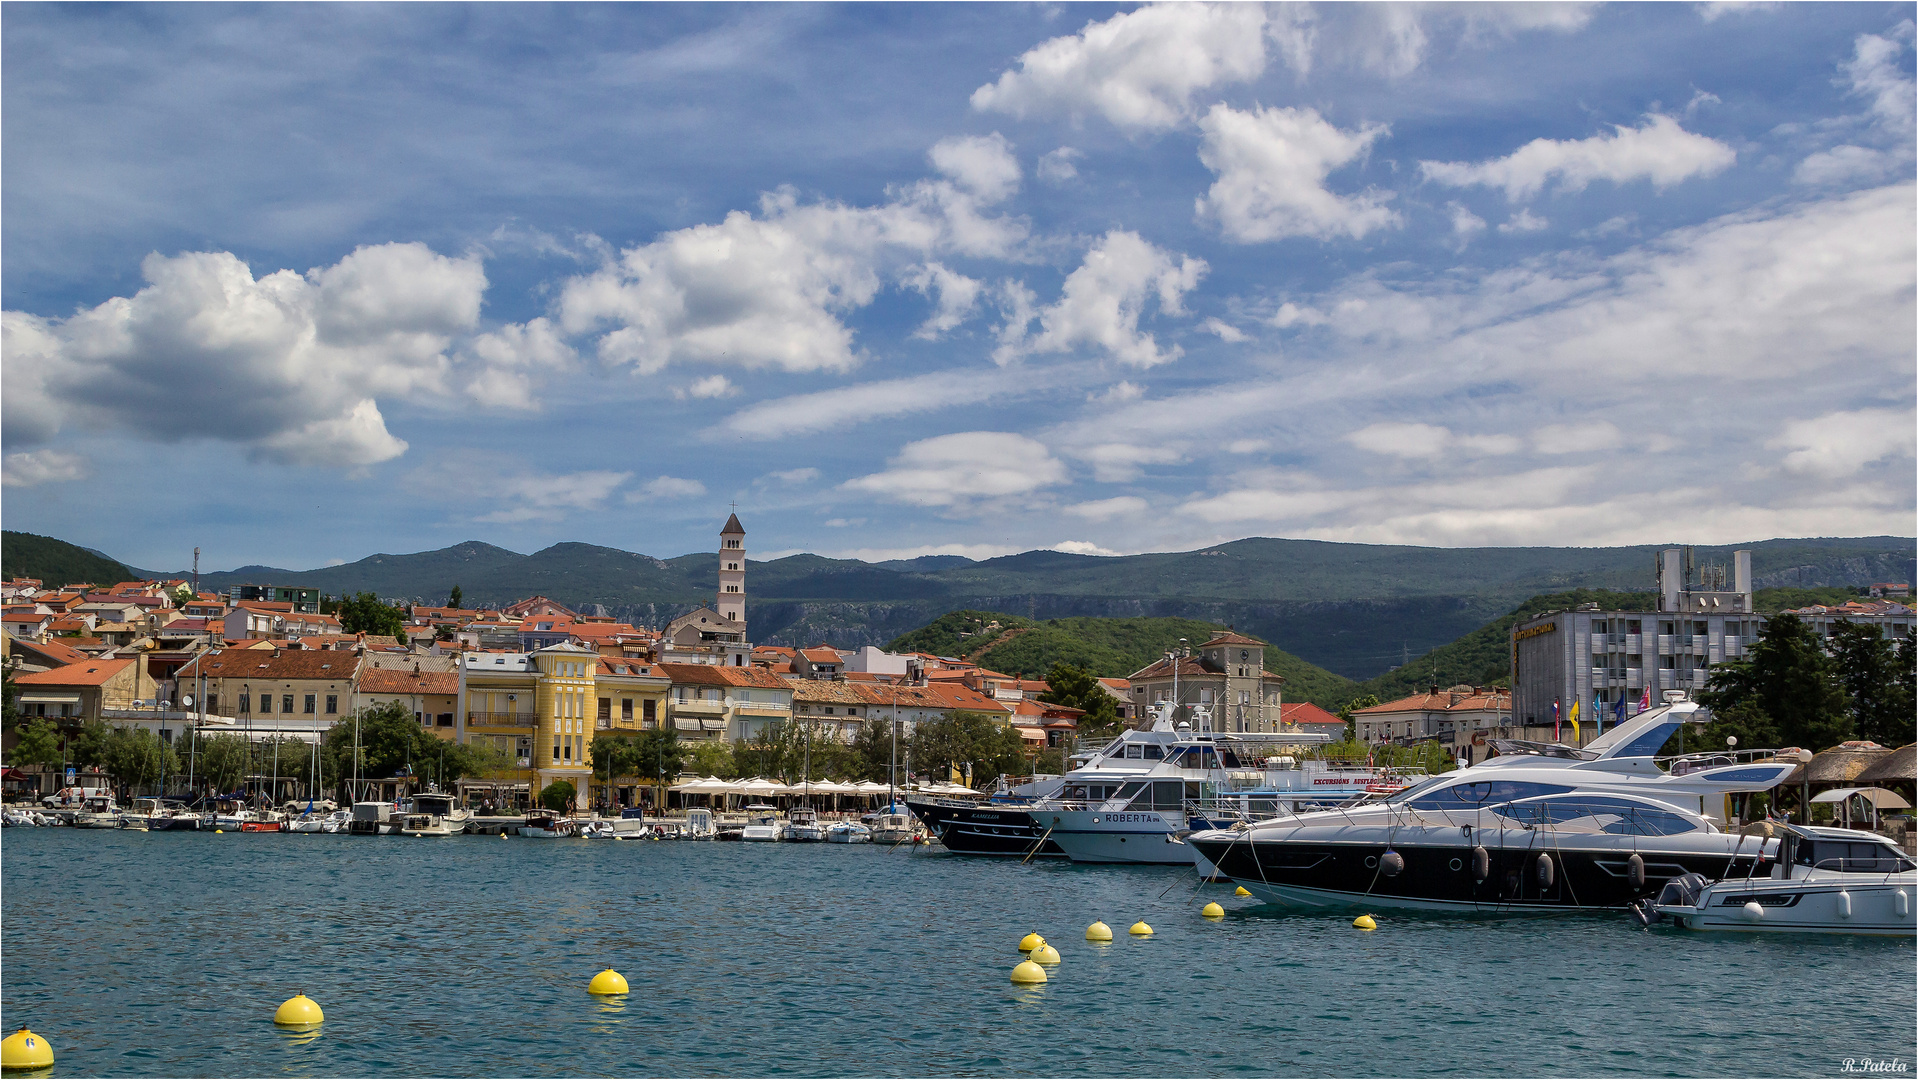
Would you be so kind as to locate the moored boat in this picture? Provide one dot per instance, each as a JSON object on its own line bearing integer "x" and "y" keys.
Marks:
{"x": 1539, "y": 828}
{"x": 848, "y": 832}
{"x": 802, "y": 826}
{"x": 763, "y": 824}
{"x": 1824, "y": 881}
{"x": 98, "y": 812}
{"x": 547, "y": 825}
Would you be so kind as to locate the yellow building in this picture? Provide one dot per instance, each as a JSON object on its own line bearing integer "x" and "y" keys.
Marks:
{"x": 545, "y": 707}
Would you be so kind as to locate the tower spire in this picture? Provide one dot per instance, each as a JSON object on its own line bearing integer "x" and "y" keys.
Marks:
{"x": 732, "y": 569}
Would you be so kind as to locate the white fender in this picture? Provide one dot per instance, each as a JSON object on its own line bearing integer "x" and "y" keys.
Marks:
{"x": 1754, "y": 910}
{"x": 1844, "y": 904}
{"x": 1902, "y": 901}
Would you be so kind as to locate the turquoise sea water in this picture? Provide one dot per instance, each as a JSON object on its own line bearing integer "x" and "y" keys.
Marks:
{"x": 166, "y": 954}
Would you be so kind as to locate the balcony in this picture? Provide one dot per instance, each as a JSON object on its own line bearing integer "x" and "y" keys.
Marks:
{"x": 1664, "y": 644}
{"x": 699, "y": 708}
{"x": 500, "y": 719}
{"x": 1600, "y": 642}
{"x": 1634, "y": 642}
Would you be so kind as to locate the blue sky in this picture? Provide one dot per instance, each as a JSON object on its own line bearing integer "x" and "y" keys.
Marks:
{"x": 299, "y": 284}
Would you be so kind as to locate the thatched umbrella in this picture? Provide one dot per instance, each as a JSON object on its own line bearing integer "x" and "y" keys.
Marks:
{"x": 1899, "y": 766}
{"x": 1840, "y": 765}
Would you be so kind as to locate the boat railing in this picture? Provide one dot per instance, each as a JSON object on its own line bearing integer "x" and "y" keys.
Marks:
{"x": 1683, "y": 764}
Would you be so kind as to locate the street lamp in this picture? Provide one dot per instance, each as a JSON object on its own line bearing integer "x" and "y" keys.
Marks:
{"x": 246, "y": 709}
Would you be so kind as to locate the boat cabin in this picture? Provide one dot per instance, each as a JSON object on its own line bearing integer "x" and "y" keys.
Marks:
{"x": 1841, "y": 850}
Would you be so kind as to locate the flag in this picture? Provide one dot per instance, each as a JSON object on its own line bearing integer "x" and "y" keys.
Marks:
{"x": 1555, "y": 727}
{"x": 1574, "y": 719}
{"x": 1645, "y": 700}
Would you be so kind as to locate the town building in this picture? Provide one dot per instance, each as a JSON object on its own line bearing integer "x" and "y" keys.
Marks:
{"x": 1226, "y": 675}
{"x": 1460, "y": 718}
{"x": 731, "y": 597}
{"x": 536, "y": 706}
{"x": 303, "y": 600}
{"x": 1613, "y": 662}
{"x": 266, "y": 690}
{"x": 713, "y": 701}
{"x": 431, "y": 696}
{"x": 86, "y": 690}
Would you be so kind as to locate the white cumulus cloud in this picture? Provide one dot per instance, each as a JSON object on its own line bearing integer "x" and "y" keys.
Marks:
{"x": 1658, "y": 150}
{"x": 964, "y": 468}
{"x": 982, "y": 165}
{"x": 1414, "y": 440}
{"x": 1083, "y": 547}
{"x": 1101, "y": 303}
{"x": 957, "y": 296}
{"x": 1839, "y": 444}
{"x": 673, "y": 487}
{"x": 1107, "y": 509}
{"x": 290, "y": 366}
{"x": 1139, "y": 69}
{"x": 1056, "y": 167}
{"x": 30, "y": 468}
{"x": 1272, "y": 166}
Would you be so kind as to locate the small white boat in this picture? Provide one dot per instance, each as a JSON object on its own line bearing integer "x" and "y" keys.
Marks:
{"x": 848, "y": 832}
{"x": 893, "y": 828}
{"x": 1825, "y": 881}
{"x": 19, "y": 819}
{"x": 763, "y": 824}
{"x": 594, "y": 829}
{"x": 338, "y": 821}
{"x": 432, "y": 815}
{"x": 802, "y": 826}
{"x": 547, "y": 825}
{"x": 99, "y": 812}
{"x": 307, "y": 823}
{"x": 699, "y": 825}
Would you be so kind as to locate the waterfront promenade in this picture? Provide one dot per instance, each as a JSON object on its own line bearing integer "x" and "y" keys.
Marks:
{"x": 140, "y": 954}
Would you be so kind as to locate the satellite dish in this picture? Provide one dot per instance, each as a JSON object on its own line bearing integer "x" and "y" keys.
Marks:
{"x": 186, "y": 702}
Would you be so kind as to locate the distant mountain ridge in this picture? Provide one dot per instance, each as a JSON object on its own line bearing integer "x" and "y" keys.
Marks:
{"x": 1355, "y": 609}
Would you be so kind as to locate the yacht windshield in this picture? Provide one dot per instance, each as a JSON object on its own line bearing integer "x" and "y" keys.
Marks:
{"x": 1600, "y": 814}
{"x": 1434, "y": 795}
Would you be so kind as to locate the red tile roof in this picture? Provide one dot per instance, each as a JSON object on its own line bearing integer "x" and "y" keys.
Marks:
{"x": 402, "y": 681}
{"x": 1230, "y": 638}
{"x": 1304, "y": 712}
{"x": 83, "y": 673}
{"x": 258, "y": 663}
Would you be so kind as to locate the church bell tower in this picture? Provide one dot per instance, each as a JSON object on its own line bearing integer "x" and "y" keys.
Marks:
{"x": 732, "y": 571}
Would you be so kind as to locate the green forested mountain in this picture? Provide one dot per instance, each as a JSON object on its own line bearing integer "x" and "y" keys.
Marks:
{"x": 56, "y": 562}
{"x": 1112, "y": 648}
{"x": 1354, "y": 609}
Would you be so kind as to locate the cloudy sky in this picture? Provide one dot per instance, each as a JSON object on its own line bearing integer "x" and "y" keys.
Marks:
{"x": 300, "y": 284}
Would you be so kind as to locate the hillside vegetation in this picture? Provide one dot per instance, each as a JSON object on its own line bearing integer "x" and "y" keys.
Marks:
{"x": 1110, "y": 648}
{"x": 56, "y": 562}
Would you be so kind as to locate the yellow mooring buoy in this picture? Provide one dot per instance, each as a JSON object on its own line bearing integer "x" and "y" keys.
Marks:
{"x": 24, "y": 1050}
{"x": 1030, "y": 942}
{"x": 1028, "y": 972}
{"x": 1241, "y": 891}
{"x": 607, "y": 982}
{"x": 298, "y": 1011}
{"x": 1140, "y": 929}
{"x": 1212, "y": 911}
{"x": 1098, "y": 931}
{"x": 1045, "y": 954}
{"x": 1365, "y": 922}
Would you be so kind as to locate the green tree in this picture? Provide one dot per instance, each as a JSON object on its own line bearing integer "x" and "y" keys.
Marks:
{"x": 391, "y": 742}
{"x": 365, "y": 614}
{"x": 222, "y": 762}
{"x": 870, "y": 755}
{"x": 1077, "y": 688}
{"x": 1788, "y": 678}
{"x": 1866, "y": 665}
{"x": 710, "y": 758}
{"x": 970, "y": 742}
{"x": 136, "y": 757}
{"x": 38, "y": 743}
{"x": 87, "y": 747}
{"x": 1363, "y": 701}
{"x": 557, "y": 796}
{"x": 9, "y": 711}
{"x": 453, "y": 598}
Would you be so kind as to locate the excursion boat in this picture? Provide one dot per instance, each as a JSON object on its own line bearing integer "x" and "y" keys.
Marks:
{"x": 1539, "y": 828}
{"x": 763, "y": 824}
{"x": 802, "y": 826}
{"x": 698, "y": 826}
{"x": 1824, "y": 881}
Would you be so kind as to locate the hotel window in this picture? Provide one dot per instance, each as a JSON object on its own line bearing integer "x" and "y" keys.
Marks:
{"x": 625, "y": 708}
{"x": 606, "y": 709}
{"x": 648, "y": 710}
{"x": 266, "y": 703}
{"x": 555, "y": 751}
{"x": 286, "y": 703}
{"x": 332, "y": 704}
{"x": 311, "y": 703}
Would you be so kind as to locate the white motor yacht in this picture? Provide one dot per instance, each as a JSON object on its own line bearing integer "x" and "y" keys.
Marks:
{"x": 802, "y": 826}
{"x": 1824, "y": 881}
{"x": 1541, "y": 827}
{"x": 338, "y": 821}
{"x": 848, "y": 832}
{"x": 763, "y": 824}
